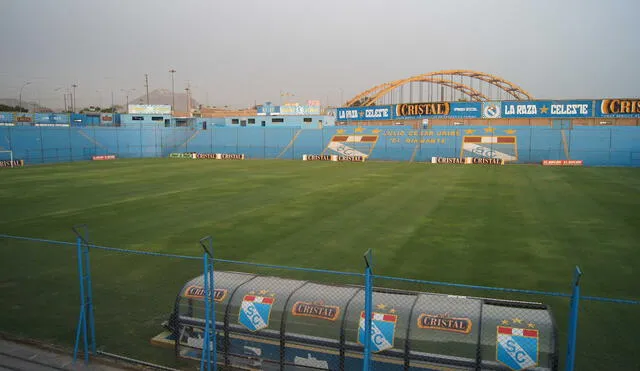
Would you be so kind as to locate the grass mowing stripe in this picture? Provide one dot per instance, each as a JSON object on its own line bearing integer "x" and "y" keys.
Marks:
{"x": 516, "y": 226}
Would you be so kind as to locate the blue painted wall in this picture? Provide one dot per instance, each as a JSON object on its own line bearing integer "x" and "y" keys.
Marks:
{"x": 615, "y": 146}
{"x": 134, "y": 120}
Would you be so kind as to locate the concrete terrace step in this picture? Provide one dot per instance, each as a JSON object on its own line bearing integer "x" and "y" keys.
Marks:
{"x": 16, "y": 355}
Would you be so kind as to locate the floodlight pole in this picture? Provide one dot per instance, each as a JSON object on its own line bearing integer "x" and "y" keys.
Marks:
{"x": 209, "y": 339}
{"x": 146, "y": 85}
{"x": 173, "y": 92}
{"x": 20, "y": 95}
{"x": 74, "y": 86}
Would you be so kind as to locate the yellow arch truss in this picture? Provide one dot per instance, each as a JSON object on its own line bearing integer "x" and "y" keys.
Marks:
{"x": 371, "y": 96}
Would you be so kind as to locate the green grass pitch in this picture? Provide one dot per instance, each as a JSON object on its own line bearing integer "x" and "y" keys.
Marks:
{"x": 510, "y": 226}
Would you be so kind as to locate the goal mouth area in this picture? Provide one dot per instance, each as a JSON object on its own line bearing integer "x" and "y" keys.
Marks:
{"x": 8, "y": 161}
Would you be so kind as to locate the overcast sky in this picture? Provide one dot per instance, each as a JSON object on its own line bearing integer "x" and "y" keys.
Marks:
{"x": 238, "y": 52}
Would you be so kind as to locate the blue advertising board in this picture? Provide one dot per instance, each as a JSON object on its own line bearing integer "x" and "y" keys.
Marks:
{"x": 268, "y": 109}
{"x": 412, "y": 111}
{"x": 52, "y": 118}
{"x": 621, "y": 108}
{"x": 365, "y": 113}
{"x": 6, "y": 117}
{"x": 466, "y": 109}
{"x": 547, "y": 109}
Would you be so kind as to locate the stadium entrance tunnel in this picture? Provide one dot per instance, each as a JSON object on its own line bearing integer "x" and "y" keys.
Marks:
{"x": 273, "y": 323}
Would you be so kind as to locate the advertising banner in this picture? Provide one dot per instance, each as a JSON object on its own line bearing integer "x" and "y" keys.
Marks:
{"x": 467, "y": 160}
{"x": 365, "y": 113}
{"x": 351, "y": 158}
{"x": 151, "y": 109}
{"x": 52, "y": 118}
{"x": 415, "y": 110}
{"x": 621, "y": 108}
{"x": 24, "y": 118}
{"x": 562, "y": 163}
{"x": 334, "y": 158}
{"x": 106, "y": 118}
{"x": 52, "y": 125}
{"x": 210, "y": 156}
{"x": 103, "y": 157}
{"x": 547, "y": 109}
{"x": 267, "y": 109}
{"x": 450, "y": 160}
{"x": 229, "y": 156}
{"x": 6, "y": 118}
{"x": 9, "y": 163}
{"x": 318, "y": 157}
{"x": 206, "y": 156}
{"x": 290, "y": 109}
{"x": 295, "y": 109}
{"x": 470, "y": 110}
{"x": 439, "y": 110}
{"x": 491, "y": 110}
{"x": 182, "y": 155}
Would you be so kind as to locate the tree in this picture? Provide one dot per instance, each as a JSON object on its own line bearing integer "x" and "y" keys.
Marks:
{"x": 5, "y": 108}
{"x": 90, "y": 109}
{"x": 114, "y": 108}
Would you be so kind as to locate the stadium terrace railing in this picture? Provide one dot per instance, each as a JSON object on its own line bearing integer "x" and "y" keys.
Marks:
{"x": 614, "y": 146}
{"x": 242, "y": 314}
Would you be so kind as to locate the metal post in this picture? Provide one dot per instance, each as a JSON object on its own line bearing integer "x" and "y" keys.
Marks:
{"x": 210, "y": 356}
{"x": 368, "y": 305}
{"x": 82, "y": 319}
{"x": 89, "y": 313}
{"x": 206, "y": 352}
{"x": 573, "y": 321}
{"x": 86, "y": 321}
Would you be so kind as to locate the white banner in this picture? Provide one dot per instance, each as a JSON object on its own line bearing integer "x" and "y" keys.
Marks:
{"x": 151, "y": 109}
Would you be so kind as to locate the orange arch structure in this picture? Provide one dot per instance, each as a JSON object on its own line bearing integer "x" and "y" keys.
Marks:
{"x": 486, "y": 83}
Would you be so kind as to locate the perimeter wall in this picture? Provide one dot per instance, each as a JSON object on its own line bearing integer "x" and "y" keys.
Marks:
{"x": 596, "y": 146}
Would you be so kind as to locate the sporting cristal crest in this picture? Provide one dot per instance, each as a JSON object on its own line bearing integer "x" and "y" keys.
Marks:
{"x": 383, "y": 329}
{"x": 255, "y": 310}
{"x": 516, "y": 347}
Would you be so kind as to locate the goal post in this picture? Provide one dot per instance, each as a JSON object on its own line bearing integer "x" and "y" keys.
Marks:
{"x": 6, "y": 158}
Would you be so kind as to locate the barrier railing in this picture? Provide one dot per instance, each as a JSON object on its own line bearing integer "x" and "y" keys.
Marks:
{"x": 594, "y": 145}
{"x": 264, "y": 315}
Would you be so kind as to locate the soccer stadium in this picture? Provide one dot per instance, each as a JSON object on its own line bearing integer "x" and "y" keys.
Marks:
{"x": 442, "y": 185}
{"x": 479, "y": 208}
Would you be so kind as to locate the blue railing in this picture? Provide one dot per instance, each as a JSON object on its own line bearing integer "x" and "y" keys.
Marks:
{"x": 85, "y": 339}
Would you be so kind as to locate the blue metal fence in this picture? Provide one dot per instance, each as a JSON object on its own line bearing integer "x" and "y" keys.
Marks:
{"x": 85, "y": 339}
{"x": 615, "y": 146}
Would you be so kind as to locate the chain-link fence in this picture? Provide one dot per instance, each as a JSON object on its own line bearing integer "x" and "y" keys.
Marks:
{"x": 607, "y": 335}
{"x": 38, "y": 290}
{"x": 150, "y": 306}
{"x": 517, "y": 144}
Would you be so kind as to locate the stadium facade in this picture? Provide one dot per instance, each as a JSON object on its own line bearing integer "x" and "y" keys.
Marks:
{"x": 596, "y": 132}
